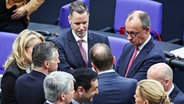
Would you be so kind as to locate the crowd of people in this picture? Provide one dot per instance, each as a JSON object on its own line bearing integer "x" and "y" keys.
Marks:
{"x": 78, "y": 66}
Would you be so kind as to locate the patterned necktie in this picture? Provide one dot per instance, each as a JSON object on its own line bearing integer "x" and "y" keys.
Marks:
{"x": 83, "y": 52}
{"x": 131, "y": 60}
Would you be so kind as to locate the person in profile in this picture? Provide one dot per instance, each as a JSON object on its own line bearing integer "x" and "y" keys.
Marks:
{"x": 150, "y": 91}
{"x": 29, "y": 87}
{"x": 58, "y": 88}
{"x": 112, "y": 87}
{"x": 74, "y": 45}
{"x": 142, "y": 51}
{"x": 86, "y": 85}
{"x": 164, "y": 74}
{"x": 15, "y": 14}
{"x": 18, "y": 63}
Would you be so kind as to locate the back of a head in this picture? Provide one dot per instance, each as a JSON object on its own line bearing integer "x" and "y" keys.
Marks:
{"x": 152, "y": 91}
{"x": 101, "y": 56}
{"x": 78, "y": 6}
{"x": 21, "y": 43}
{"x": 84, "y": 77}
{"x": 56, "y": 83}
{"x": 43, "y": 52}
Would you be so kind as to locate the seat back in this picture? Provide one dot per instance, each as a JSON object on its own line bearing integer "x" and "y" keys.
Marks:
{"x": 64, "y": 12}
{"x": 124, "y": 7}
{"x": 6, "y": 41}
{"x": 117, "y": 45}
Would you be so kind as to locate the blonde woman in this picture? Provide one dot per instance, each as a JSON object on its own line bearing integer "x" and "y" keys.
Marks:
{"x": 18, "y": 63}
{"x": 150, "y": 91}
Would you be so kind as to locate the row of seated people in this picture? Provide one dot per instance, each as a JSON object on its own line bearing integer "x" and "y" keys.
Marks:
{"x": 71, "y": 56}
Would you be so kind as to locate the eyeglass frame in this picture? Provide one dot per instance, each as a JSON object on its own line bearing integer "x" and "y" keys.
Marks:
{"x": 133, "y": 34}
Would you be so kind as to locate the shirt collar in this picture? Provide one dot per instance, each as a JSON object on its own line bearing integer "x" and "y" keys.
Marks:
{"x": 140, "y": 47}
{"x": 49, "y": 102}
{"x": 169, "y": 92}
{"x": 107, "y": 71}
{"x": 85, "y": 38}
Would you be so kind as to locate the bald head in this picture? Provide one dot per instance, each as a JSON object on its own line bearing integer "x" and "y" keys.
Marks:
{"x": 162, "y": 73}
{"x": 159, "y": 71}
{"x": 101, "y": 56}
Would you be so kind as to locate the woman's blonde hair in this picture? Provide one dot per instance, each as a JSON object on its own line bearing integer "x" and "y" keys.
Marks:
{"x": 23, "y": 41}
{"x": 152, "y": 91}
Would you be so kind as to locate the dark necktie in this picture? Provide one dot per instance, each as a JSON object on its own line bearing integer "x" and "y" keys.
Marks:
{"x": 131, "y": 60}
{"x": 83, "y": 52}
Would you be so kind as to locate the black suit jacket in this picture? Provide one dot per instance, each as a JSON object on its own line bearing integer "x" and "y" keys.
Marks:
{"x": 29, "y": 88}
{"x": 8, "y": 83}
{"x": 177, "y": 96}
{"x": 69, "y": 52}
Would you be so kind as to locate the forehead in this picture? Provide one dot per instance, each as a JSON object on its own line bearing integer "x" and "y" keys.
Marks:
{"x": 133, "y": 23}
{"x": 76, "y": 15}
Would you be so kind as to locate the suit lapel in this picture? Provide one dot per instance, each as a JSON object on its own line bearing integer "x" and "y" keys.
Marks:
{"x": 75, "y": 49}
{"x": 142, "y": 54}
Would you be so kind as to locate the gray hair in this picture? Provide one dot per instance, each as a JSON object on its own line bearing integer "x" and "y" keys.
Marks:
{"x": 43, "y": 52}
{"x": 143, "y": 16}
{"x": 79, "y": 7}
{"x": 56, "y": 83}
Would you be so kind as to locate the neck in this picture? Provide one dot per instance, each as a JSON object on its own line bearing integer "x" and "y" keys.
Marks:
{"x": 77, "y": 98}
{"x": 41, "y": 69}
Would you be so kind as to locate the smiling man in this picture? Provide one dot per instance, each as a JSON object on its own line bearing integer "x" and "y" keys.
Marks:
{"x": 142, "y": 51}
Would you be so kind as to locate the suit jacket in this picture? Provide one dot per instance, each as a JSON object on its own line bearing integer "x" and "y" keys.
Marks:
{"x": 29, "y": 88}
{"x": 114, "y": 89}
{"x": 149, "y": 55}
{"x": 177, "y": 96}
{"x": 8, "y": 83}
{"x": 69, "y": 52}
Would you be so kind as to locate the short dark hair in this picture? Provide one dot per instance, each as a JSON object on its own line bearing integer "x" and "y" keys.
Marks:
{"x": 84, "y": 77}
{"x": 42, "y": 52}
{"x": 78, "y": 6}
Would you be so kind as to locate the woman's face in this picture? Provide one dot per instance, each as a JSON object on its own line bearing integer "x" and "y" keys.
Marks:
{"x": 30, "y": 48}
{"x": 138, "y": 98}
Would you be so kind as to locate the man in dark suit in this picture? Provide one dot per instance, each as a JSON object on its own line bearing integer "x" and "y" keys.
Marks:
{"x": 113, "y": 89}
{"x": 69, "y": 43}
{"x": 142, "y": 51}
{"x": 164, "y": 74}
{"x": 63, "y": 90}
{"x": 29, "y": 87}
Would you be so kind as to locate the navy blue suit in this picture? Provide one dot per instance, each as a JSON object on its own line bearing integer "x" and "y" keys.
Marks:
{"x": 114, "y": 89}
{"x": 69, "y": 52}
{"x": 149, "y": 55}
{"x": 177, "y": 96}
{"x": 29, "y": 88}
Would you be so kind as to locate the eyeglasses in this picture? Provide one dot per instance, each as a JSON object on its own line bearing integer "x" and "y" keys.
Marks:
{"x": 133, "y": 34}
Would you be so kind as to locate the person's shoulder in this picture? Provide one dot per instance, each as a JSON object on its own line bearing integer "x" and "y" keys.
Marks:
{"x": 13, "y": 70}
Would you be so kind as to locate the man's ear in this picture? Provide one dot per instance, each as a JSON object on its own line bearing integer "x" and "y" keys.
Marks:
{"x": 47, "y": 64}
{"x": 80, "y": 91}
{"x": 69, "y": 19}
{"x": 62, "y": 96}
{"x": 113, "y": 60}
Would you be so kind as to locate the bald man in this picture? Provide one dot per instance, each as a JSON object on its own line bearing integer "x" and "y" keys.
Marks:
{"x": 164, "y": 74}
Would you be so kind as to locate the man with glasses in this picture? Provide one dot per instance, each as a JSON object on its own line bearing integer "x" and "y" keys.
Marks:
{"x": 142, "y": 51}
